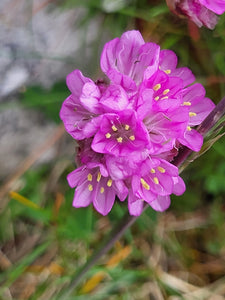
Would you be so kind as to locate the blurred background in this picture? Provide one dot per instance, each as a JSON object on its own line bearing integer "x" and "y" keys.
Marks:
{"x": 178, "y": 254}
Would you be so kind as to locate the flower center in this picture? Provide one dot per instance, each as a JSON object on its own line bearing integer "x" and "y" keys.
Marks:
{"x": 160, "y": 94}
{"x": 121, "y": 133}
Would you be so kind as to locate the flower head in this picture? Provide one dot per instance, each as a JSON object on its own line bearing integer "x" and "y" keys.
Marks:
{"x": 130, "y": 130}
{"x": 201, "y": 12}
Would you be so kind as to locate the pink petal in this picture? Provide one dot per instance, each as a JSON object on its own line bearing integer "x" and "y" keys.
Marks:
{"x": 90, "y": 96}
{"x": 103, "y": 201}
{"x": 114, "y": 99}
{"x": 75, "y": 82}
{"x": 185, "y": 74}
{"x": 126, "y": 60}
{"x": 77, "y": 176}
{"x": 167, "y": 60}
{"x": 135, "y": 205}
{"x": 192, "y": 139}
{"x": 144, "y": 105}
{"x": 217, "y": 6}
{"x": 161, "y": 203}
{"x": 108, "y": 57}
{"x": 202, "y": 109}
{"x": 82, "y": 197}
{"x": 124, "y": 80}
{"x": 179, "y": 186}
{"x": 194, "y": 93}
{"x": 91, "y": 126}
{"x": 121, "y": 189}
{"x": 75, "y": 117}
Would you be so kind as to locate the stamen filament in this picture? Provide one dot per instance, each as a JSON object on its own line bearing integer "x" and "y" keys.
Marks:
{"x": 119, "y": 139}
{"x": 90, "y": 187}
{"x": 89, "y": 177}
{"x": 166, "y": 91}
{"x": 156, "y": 180}
{"x": 114, "y": 128}
{"x": 187, "y": 103}
{"x": 161, "y": 170}
{"x": 99, "y": 177}
{"x": 144, "y": 184}
{"x": 109, "y": 183}
{"x": 157, "y": 87}
{"x": 108, "y": 135}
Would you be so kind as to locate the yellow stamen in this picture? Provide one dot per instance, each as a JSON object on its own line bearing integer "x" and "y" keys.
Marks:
{"x": 157, "y": 87}
{"x": 144, "y": 184}
{"x": 119, "y": 139}
{"x": 156, "y": 180}
{"x": 90, "y": 187}
{"x": 127, "y": 127}
{"x": 108, "y": 135}
{"x": 192, "y": 114}
{"x": 109, "y": 183}
{"x": 152, "y": 171}
{"x": 166, "y": 97}
{"x": 114, "y": 128}
{"x": 187, "y": 103}
{"x": 156, "y": 98}
{"x": 99, "y": 176}
{"x": 166, "y": 91}
{"x": 161, "y": 170}
{"x": 188, "y": 128}
{"x": 102, "y": 190}
{"x": 89, "y": 177}
{"x": 132, "y": 137}
{"x": 167, "y": 71}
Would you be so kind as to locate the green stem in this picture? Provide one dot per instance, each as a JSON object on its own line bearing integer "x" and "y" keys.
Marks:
{"x": 107, "y": 244}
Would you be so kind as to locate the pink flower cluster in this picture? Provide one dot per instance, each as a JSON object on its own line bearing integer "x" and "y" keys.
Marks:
{"x": 201, "y": 12}
{"x": 130, "y": 128}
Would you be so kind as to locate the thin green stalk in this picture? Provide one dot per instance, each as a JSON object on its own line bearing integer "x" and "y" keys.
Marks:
{"x": 107, "y": 244}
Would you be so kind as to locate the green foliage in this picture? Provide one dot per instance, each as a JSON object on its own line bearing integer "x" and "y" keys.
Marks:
{"x": 74, "y": 223}
{"x": 47, "y": 101}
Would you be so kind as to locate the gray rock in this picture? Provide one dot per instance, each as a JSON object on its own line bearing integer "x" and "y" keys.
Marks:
{"x": 39, "y": 45}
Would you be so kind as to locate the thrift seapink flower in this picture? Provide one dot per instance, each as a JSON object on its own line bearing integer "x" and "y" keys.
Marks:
{"x": 201, "y": 12}
{"x": 131, "y": 126}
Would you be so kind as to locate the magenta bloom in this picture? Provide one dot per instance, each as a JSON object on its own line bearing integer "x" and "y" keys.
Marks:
{"x": 95, "y": 186}
{"x": 121, "y": 134}
{"x": 129, "y": 129}
{"x": 201, "y": 12}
